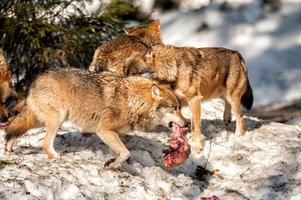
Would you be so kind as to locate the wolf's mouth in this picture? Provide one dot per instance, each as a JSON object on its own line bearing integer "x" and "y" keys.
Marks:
{"x": 3, "y": 124}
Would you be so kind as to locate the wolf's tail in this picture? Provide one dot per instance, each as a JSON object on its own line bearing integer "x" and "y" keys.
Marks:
{"x": 247, "y": 97}
{"x": 18, "y": 126}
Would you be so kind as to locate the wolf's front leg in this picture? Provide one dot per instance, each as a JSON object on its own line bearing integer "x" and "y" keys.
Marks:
{"x": 112, "y": 139}
{"x": 198, "y": 140}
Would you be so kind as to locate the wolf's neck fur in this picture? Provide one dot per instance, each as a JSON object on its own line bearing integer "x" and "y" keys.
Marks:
{"x": 165, "y": 62}
{"x": 139, "y": 103}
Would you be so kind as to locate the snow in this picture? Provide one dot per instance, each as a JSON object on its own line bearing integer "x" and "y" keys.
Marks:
{"x": 263, "y": 164}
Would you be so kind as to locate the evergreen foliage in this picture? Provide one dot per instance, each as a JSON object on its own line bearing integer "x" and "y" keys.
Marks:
{"x": 40, "y": 34}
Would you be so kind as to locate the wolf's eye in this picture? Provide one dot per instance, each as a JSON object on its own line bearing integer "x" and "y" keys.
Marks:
{"x": 176, "y": 108}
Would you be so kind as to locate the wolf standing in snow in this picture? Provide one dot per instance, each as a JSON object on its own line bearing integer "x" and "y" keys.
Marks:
{"x": 95, "y": 102}
{"x": 200, "y": 74}
{"x": 113, "y": 54}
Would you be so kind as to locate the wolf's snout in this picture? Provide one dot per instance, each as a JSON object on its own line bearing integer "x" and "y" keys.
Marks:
{"x": 11, "y": 99}
{"x": 3, "y": 119}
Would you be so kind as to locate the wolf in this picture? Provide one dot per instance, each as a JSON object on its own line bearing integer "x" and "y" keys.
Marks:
{"x": 200, "y": 74}
{"x": 116, "y": 52}
{"x": 101, "y": 103}
{"x": 8, "y": 95}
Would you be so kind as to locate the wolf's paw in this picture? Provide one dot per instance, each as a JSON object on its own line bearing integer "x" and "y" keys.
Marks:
{"x": 53, "y": 155}
{"x": 9, "y": 145}
{"x": 227, "y": 120}
{"x": 111, "y": 164}
{"x": 198, "y": 145}
{"x": 240, "y": 132}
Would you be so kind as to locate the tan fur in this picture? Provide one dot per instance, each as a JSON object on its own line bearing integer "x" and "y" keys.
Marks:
{"x": 6, "y": 87}
{"x": 19, "y": 125}
{"x": 95, "y": 102}
{"x": 114, "y": 53}
{"x": 200, "y": 74}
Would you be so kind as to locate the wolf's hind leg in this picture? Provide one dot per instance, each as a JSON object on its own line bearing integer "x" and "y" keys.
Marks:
{"x": 52, "y": 126}
{"x": 240, "y": 122}
{"x": 235, "y": 87}
{"x": 112, "y": 139}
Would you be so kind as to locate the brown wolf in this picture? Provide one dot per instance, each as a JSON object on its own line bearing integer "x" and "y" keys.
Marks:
{"x": 200, "y": 74}
{"x": 116, "y": 52}
{"x": 7, "y": 92}
{"x": 95, "y": 102}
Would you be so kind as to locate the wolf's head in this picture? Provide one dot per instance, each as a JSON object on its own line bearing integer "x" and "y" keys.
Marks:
{"x": 168, "y": 108}
{"x": 142, "y": 63}
{"x": 149, "y": 35}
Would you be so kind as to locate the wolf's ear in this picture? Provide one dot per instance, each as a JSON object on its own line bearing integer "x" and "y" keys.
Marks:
{"x": 156, "y": 92}
{"x": 134, "y": 32}
{"x": 155, "y": 26}
{"x": 129, "y": 31}
{"x": 149, "y": 54}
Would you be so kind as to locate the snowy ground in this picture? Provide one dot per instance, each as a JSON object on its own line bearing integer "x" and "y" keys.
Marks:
{"x": 270, "y": 43}
{"x": 264, "y": 164}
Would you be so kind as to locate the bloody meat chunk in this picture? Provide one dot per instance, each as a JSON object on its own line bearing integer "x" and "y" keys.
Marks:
{"x": 178, "y": 150}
